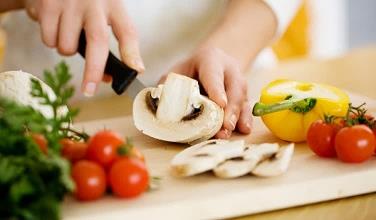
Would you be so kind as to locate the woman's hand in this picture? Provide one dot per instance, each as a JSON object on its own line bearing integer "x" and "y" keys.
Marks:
{"x": 62, "y": 21}
{"x": 246, "y": 28}
{"x": 220, "y": 76}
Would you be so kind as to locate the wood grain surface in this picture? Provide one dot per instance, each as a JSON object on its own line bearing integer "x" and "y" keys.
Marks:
{"x": 354, "y": 72}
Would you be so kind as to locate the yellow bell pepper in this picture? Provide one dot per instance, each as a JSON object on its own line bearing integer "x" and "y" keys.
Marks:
{"x": 289, "y": 107}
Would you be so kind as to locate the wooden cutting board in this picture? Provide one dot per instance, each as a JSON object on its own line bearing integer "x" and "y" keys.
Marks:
{"x": 310, "y": 179}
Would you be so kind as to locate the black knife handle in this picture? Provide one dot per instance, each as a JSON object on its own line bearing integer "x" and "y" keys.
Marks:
{"x": 122, "y": 75}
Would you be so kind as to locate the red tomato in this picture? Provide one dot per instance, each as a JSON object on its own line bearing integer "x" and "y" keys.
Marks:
{"x": 320, "y": 138}
{"x": 128, "y": 177}
{"x": 41, "y": 141}
{"x": 73, "y": 150}
{"x": 102, "y": 147}
{"x": 355, "y": 144}
{"x": 90, "y": 179}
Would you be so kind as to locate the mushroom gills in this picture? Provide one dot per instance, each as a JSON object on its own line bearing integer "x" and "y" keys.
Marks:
{"x": 177, "y": 112}
{"x": 241, "y": 166}
{"x": 205, "y": 156}
{"x": 276, "y": 165}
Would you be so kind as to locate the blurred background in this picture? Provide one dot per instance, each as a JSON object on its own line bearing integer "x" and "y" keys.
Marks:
{"x": 321, "y": 29}
{"x": 330, "y": 28}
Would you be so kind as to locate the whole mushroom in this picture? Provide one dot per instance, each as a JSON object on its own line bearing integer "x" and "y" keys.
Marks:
{"x": 177, "y": 112}
{"x": 16, "y": 86}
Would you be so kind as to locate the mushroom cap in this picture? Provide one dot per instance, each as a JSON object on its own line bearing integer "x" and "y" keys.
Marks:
{"x": 16, "y": 86}
{"x": 195, "y": 130}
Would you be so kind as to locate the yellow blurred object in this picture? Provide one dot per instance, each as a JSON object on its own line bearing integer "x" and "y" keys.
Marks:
{"x": 2, "y": 42}
{"x": 295, "y": 41}
{"x": 2, "y": 45}
{"x": 289, "y": 107}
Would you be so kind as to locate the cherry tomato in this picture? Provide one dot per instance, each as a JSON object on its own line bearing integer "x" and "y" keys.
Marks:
{"x": 73, "y": 150}
{"x": 90, "y": 179}
{"x": 355, "y": 144}
{"x": 128, "y": 177}
{"x": 320, "y": 138}
{"x": 41, "y": 141}
{"x": 102, "y": 147}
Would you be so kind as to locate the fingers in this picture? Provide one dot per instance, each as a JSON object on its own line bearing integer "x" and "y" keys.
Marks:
{"x": 31, "y": 10}
{"x": 126, "y": 34}
{"x": 70, "y": 27}
{"x": 162, "y": 79}
{"x": 48, "y": 15}
{"x": 211, "y": 77}
{"x": 96, "y": 51}
{"x": 236, "y": 92}
{"x": 223, "y": 134}
{"x": 244, "y": 124}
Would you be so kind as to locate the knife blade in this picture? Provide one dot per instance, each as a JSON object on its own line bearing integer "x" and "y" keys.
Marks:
{"x": 123, "y": 77}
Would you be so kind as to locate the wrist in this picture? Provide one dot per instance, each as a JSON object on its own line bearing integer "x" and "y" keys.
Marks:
{"x": 246, "y": 28}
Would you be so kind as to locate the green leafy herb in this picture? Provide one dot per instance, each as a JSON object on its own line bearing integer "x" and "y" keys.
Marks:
{"x": 33, "y": 184}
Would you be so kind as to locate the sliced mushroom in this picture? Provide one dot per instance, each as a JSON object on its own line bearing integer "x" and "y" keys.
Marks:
{"x": 177, "y": 112}
{"x": 241, "y": 166}
{"x": 15, "y": 86}
{"x": 276, "y": 165}
{"x": 205, "y": 156}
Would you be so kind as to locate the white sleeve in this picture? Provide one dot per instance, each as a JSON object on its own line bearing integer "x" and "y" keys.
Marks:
{"x": 284, "y": 11}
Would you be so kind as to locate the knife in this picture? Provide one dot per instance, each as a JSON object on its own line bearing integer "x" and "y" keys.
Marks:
{"x": 123, "y": 76}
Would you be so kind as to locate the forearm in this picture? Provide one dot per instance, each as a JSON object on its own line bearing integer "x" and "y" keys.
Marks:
{"x": 7, "y": 5}
{"x": 245, "y": 29}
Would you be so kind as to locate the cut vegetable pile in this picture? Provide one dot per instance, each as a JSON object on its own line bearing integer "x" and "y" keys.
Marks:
{"x": 39, "y": 145}
{"x": 322, "y": 115}
{"x": 231, "y": 159}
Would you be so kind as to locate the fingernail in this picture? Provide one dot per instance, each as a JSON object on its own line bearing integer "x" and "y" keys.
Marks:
{"x": 227, "y": 132}
{"x": 90, "y": 88}
{"x": 248, "y": 125}
{"x": 224, "y": 98}
{"x": 138, "y": 65}
{"x": 233, "y": 121}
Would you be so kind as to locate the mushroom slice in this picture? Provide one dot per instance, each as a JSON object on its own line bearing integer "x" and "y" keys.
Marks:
{"x": 176, "y": 111}
{"x": 240, "y": 166}
{"x": 205, "y": 156}
{"x": 259, "y": 152}
{"x": 276, "y": 165}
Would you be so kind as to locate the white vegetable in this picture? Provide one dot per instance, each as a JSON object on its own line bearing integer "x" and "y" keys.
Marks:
{"x": 243, "y": 165}
{"x": 177, "y": 112}
{"x": 276, "y": 165}
{"x": 230, "y": 159}
{"x": 16, "y": 86}
{"x": 205, "y": 156}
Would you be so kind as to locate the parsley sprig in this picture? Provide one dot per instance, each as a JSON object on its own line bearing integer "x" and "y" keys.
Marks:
{"x": 33, "y": 184}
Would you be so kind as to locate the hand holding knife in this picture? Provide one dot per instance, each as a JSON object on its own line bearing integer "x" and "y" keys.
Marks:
{"x": 123, "y": 77}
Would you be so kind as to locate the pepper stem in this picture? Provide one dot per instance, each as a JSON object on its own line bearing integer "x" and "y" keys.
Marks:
{"x": 293, "y": 104}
